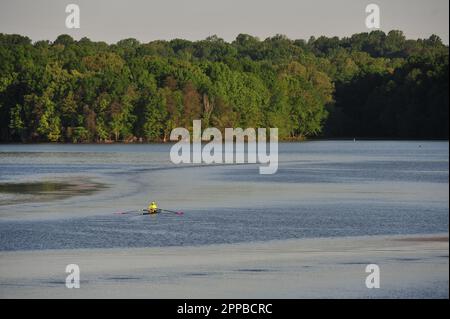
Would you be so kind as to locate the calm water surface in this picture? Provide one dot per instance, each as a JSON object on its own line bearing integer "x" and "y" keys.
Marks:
{"x": 65, "y": 196}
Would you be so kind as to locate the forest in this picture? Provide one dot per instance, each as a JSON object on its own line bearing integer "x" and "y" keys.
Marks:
{"x": 368, "y": 85}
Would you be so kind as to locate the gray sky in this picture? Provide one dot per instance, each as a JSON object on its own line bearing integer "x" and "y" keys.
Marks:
{"x": 146, "y": 20}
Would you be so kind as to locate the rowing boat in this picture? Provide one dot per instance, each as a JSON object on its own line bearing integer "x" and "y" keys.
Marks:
{"x": 147, "y": 212}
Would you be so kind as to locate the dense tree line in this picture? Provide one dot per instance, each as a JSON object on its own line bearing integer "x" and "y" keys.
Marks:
{"x": 368, "y": 85}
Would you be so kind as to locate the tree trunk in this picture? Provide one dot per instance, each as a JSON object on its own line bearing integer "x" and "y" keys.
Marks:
{"x": 207, "y": 109}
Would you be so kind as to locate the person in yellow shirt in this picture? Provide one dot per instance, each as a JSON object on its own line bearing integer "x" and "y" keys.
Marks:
{"x": 153, "y": 208}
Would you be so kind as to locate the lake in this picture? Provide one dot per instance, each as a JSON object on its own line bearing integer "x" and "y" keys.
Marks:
{"x": 66, "y": 196}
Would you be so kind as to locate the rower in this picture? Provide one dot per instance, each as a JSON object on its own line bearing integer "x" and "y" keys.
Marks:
{"x": 153, "y": 208}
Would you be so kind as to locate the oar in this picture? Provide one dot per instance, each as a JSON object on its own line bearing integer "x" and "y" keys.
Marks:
{"x": 165, "y": 211}
{"x": 145, "y": 210}
{"x": 171, "y": 211}
{"x": 128, "y": 212}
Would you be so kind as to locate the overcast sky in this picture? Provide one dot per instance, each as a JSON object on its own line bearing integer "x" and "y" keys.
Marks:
{"x": 146, "y": 20}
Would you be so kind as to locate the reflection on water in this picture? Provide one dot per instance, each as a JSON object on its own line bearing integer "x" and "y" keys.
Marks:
{"x": 64, "y": 196}
{"x": 45, "y": 191}
{"x": 33, "y": 188}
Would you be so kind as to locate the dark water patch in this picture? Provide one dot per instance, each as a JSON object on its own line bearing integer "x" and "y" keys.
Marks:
{"x": 14, "y": 284}
{"x": 54, "y": 282}
{"x": 407, "y": 259}
{"x": 123, "y": 278}
{"x": 425, "y": 239}
{"x": 253, "y": 270}
{"x": 34, "y": 188}
{"x": 48, "y": 190}
{"x": 197, "y": 274}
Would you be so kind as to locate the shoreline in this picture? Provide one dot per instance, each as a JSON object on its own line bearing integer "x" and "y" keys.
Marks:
{"x": 411, "y": 266}
{"x": 311, "y": 139}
